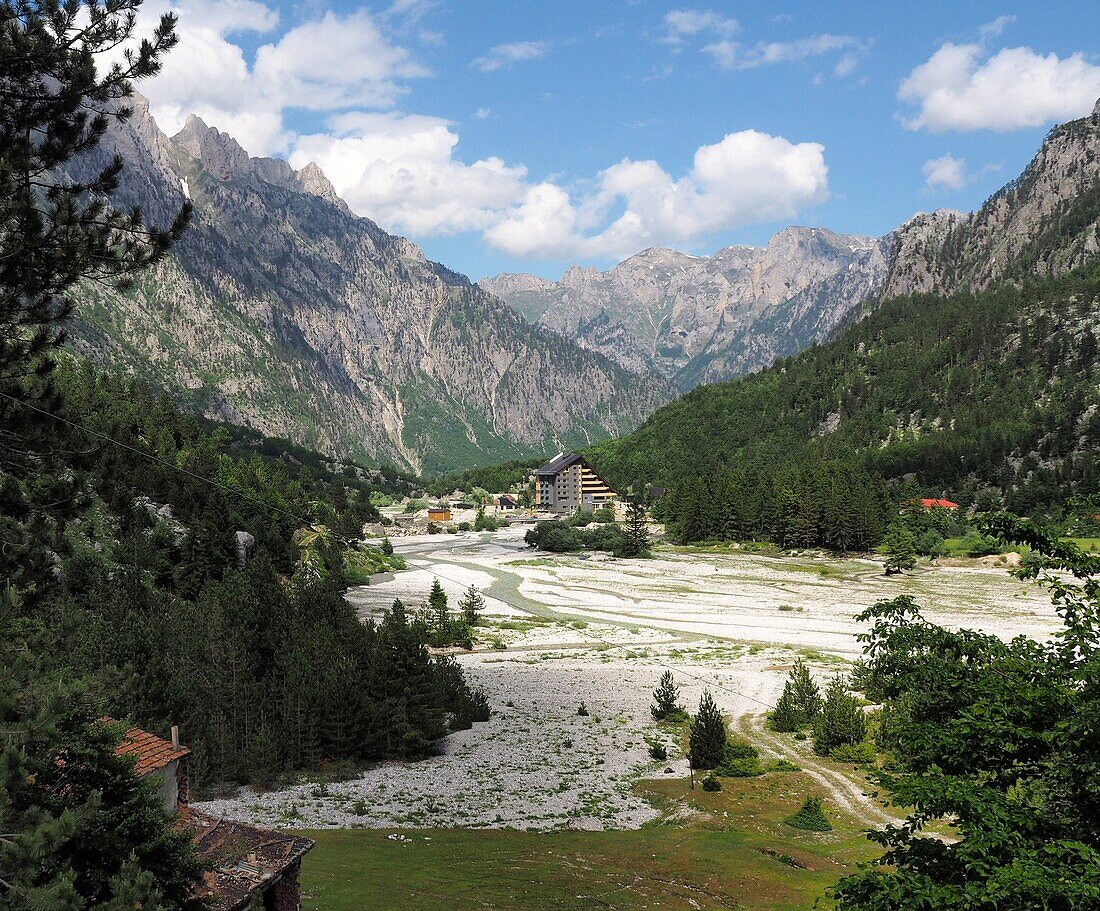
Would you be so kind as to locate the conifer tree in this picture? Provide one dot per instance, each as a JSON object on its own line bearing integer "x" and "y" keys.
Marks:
{"x": 707, "y": 742}
{"x": 666, "y": 700}
{"x": 899, "y": 548}
{"x": 56, "y": 102}
{"x": 387, "y": 546}
{"x": 800, "y": 702}
{"x": 637, "y": 532}
{"x": 471, "y": 606}
{"x": 437, "y": 606}
{"x": 841, "y": 722}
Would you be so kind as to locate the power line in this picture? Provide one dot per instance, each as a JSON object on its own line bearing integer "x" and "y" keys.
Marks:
{"x": 304, "y": 521}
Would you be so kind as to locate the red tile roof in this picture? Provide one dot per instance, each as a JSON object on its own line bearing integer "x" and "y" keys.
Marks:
{"x": 152, "y": 752}
{"x": 929, "y": 502}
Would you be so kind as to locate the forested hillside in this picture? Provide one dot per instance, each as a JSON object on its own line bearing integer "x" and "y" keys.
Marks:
{"x": 992, "y": 394}
{"x": 205, "y": 589}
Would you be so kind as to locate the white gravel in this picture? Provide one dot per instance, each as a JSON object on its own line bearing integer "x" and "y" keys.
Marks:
{"x": 608, "y": 630}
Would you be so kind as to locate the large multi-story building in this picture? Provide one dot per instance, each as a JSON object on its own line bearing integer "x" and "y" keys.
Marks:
{"x": 567, "y": 483}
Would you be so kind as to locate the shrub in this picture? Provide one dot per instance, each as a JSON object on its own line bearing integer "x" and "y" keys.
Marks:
{"x": 860, "y": 753}
{"x": 658, "y": 751}
{"x": 746, "y": 767}
{"x": 582, "y": 710}
{"x": 359, "y": 808}
{"x": 842, "y": 722}
{"x": 785, "y": 765}
{"x": 433, "y": 529}
{"x": 810, "y": 817}
{"x": 554, "y": 536}
{"x": 707, "y": 743}
{"x": 710, "y": 783}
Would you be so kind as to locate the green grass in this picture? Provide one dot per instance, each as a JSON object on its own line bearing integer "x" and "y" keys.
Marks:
{"x": 733, "y": 850}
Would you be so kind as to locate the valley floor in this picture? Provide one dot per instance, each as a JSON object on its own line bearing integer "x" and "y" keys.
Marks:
{"x": 562, "y": 630}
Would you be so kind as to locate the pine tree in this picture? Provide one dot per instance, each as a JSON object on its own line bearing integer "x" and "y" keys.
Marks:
{"x": 637, "y": 532}
{"x": 437, "y": 606}
{"x": 708, "y": 738}
{"x": 471, "y": 606}
{"x": 83, "y": 832}
{"x": 55, "y": 105}
{"x": 899, "y": 548}
{"x": 387, "y": 546}
{"x": 666, "y": 700}
{"x": 841, "y": 722}
{"x": 800, "y": 702}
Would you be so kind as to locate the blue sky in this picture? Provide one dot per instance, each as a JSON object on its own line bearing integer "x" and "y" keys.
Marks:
{"x": 526, "y": 136}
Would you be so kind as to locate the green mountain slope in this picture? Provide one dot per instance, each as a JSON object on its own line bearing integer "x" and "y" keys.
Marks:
{"x": 997, "y": 390}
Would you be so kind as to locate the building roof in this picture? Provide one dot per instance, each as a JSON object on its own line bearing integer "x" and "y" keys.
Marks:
{"x": 558, "y": 464}
{"x": 152, "y": 752}
{"x": 929, "y": 502}
{"x": 241, "y": 858}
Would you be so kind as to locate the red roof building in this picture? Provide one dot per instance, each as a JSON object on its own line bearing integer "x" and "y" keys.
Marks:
{"x": 243, "y": 861}
{"x": 937, "y": 503}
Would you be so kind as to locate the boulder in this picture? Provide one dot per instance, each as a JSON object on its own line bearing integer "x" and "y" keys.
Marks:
{"x": 245, "y": 542}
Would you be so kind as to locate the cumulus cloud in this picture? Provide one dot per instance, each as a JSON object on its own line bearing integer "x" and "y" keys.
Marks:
{"x": 963, "y": 87}
{"x": 747, "y": 177}
{"x": 504, "y": 55}
{"x": 406, "y": 171}
{"x": 945, "y": 173}
{"x": 401, "y": 171}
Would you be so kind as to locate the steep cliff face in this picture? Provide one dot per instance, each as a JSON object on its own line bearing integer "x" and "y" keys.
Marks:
{"x": 1045, "y": 222}
{"x": 282, "y": 310}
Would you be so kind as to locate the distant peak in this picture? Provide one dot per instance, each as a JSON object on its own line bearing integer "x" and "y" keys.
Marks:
{"x": 219, "y": 153}
{"x": 1096, "y": 108}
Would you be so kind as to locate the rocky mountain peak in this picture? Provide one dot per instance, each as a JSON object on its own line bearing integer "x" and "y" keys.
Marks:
{"x": 218, "y": 152}
{"x": 1096, "y": 108}
{"x": 575, "y": 276}
{"x": 311, "y": 179}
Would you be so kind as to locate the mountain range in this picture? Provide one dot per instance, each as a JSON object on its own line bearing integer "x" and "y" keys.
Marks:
{"x": 974, "y": 373}
{"x": 282, "y": 310}
{"x": 698, "y": 319}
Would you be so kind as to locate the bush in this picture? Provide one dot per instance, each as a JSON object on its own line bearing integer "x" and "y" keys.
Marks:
{"x": 785, "y": 765}
{"x": 748, "y": 767}
{"x": 860, "y": 753}
{"x": 582, "y": 710}
{"x": 710, "y": 783}
{"x": 433, "y": 529}
{"x": 811, "y": 817}
{"x": 658, "y": 751}
{"x": 554, "y": 536}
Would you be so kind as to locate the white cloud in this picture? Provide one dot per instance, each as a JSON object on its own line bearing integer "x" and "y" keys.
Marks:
{"x": 404, "y": 170}
{"x": 326, "y": 64}
{"x": 680, "y": 23}
{"x": 504, "y": 55}
{"x": 994, "y": 28}
{"x": 401, "y": 171}
{"x": 747, "y": 177}
{"x": 483, "y": 114}
{"x": 945, "y": 173}
{"x": 961, "y": 87}
{"x": 729, "y": 55}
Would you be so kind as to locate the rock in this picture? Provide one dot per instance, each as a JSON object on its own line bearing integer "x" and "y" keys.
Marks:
{"x": 1096, "y": 108}
{"x": 584, "y": 824}
{"x": 669, "y": 770}
{"x": 245, "y": 543}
